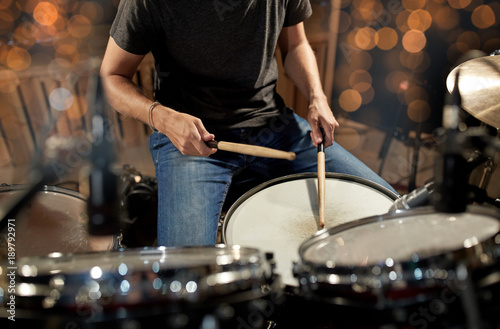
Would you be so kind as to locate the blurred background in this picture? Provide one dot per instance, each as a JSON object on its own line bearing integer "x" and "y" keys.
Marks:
{"x": 389, "y": 60}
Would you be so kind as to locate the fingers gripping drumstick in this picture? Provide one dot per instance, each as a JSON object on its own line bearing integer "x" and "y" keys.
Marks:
{"x": 259, "y": 151}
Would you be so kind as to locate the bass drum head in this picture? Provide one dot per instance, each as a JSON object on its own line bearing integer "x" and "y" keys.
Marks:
{"x": 277, "y": 216}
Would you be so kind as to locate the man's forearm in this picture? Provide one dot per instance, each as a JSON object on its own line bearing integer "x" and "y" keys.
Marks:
{"x": 301, "y": 67}
{"x": 126, "y": 97}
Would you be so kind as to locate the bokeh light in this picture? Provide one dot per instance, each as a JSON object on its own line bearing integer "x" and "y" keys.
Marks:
{"x": 468, "y": 40}
{"x": 419, "y": 110}
{"x": 350, "y": 100}
{"x": 412, "y": 5}
{"x": 348, "y": 137}
{"x": 61, "y": 99}
{"x": 45, "y": 13}
{"x": 446, "y": 18}
{"x": 360, "y": 60}
{"x": 459, "y": 4}
{"x": 414, "y": 41}
{"x": 79, "y": 26}
{"x": 386, "y": 38}
{"x": 483, "y": 17}
{"x": 365, "y": 38}
{"x": 18, "y": 59}
{"x": 420, "y": 20}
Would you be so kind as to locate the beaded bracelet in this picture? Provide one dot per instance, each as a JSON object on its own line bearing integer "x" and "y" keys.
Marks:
{"x": 150, "y": 111}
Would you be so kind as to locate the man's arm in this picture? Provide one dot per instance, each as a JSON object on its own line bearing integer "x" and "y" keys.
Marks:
{"x": 300, "y": 65}
{"x": 186, "y": 132}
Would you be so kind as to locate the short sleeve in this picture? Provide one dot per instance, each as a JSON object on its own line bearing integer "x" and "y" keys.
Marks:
{"x": 132, "y": 27}
{"x": 297, "y": 11}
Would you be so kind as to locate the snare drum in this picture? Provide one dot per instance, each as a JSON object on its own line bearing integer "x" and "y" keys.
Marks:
{"x": 404, "y": 264}
{"x": 54, "y": 220}
{"x": 190, "y": 287}
{"x": 277, "y": 216}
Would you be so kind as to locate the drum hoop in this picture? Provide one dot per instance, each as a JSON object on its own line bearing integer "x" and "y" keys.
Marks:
{"x": 246, "y": 274}
{"x": 480, "y": 210}
{"x": 44, "y": 188}
{"x": 142, "y": 252}
{"x": 289, "y": 178}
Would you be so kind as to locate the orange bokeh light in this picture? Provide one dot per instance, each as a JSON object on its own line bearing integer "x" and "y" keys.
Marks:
{"x": 79, "y": 26}
{"x": 361, "y": 60}
{"x": 45, "y": 13}
{"x": 467, "y": 41}
{"x": 18, "y": 59}
{"x": 420, "y": 20}
{"x": 459, "y": 4}
{"x": 419, "y": 110}
{"x": 386, "y": 38}
{"x": 92, "y": 10}
{"x": 411, "y": 60}
{"x": 483, "y": 17}
{"x": 414, "y": 41}
{"x": 402, "y": 21}
{"x": 365, "y": 38}
{"x": 348, "y": 137}
{"x": 24, "y": 35}
{"x": 446, "y": 18}
{"x": 414, "y": 93}
{"x": 350, "y": 100}
{"x": 360, "y": 76}
{"x": 414, "y": 4}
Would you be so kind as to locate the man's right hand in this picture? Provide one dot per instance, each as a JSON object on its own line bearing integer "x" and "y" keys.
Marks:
{"x": 185, "y": 131}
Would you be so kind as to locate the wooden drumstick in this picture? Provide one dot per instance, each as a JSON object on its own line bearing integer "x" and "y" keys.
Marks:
{"x": 254, "y": 150}
{"x": 321, "y": 183}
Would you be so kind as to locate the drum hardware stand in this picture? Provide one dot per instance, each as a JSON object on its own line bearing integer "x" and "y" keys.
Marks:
{"x": 104, "y": 203}
{"x": 468, "y": 298}
{"x": 489, "y": 168}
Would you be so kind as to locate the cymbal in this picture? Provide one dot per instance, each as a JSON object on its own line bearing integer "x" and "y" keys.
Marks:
{"x": 479, "y": 86}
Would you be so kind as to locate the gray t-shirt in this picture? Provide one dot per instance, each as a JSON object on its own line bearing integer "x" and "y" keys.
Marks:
{"x": 214, "y": 59}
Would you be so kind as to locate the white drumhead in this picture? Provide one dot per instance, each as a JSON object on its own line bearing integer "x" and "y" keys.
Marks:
{"x": 278, "y": 218}
{"x": 401, "y": 239}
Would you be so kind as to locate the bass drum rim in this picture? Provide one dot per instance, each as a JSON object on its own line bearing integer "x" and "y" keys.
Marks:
{"x": 45, "y": 188}
{"x": 288, "y": 178}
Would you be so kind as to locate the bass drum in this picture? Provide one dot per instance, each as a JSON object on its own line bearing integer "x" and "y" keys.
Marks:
{"x": 188, "y": 287}
{"x": 277, "y": 216}
{"x": 54, "y": 220}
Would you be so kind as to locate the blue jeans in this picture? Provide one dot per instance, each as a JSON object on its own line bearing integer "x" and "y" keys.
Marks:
{"x": 192, "y": 190}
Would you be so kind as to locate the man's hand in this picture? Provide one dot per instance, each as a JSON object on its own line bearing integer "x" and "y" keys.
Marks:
{"x": 320, "y": 117}
{"x": 185, "y": 131}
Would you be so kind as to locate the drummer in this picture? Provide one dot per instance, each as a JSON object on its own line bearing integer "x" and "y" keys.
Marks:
{"x": 217, "y": 73}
